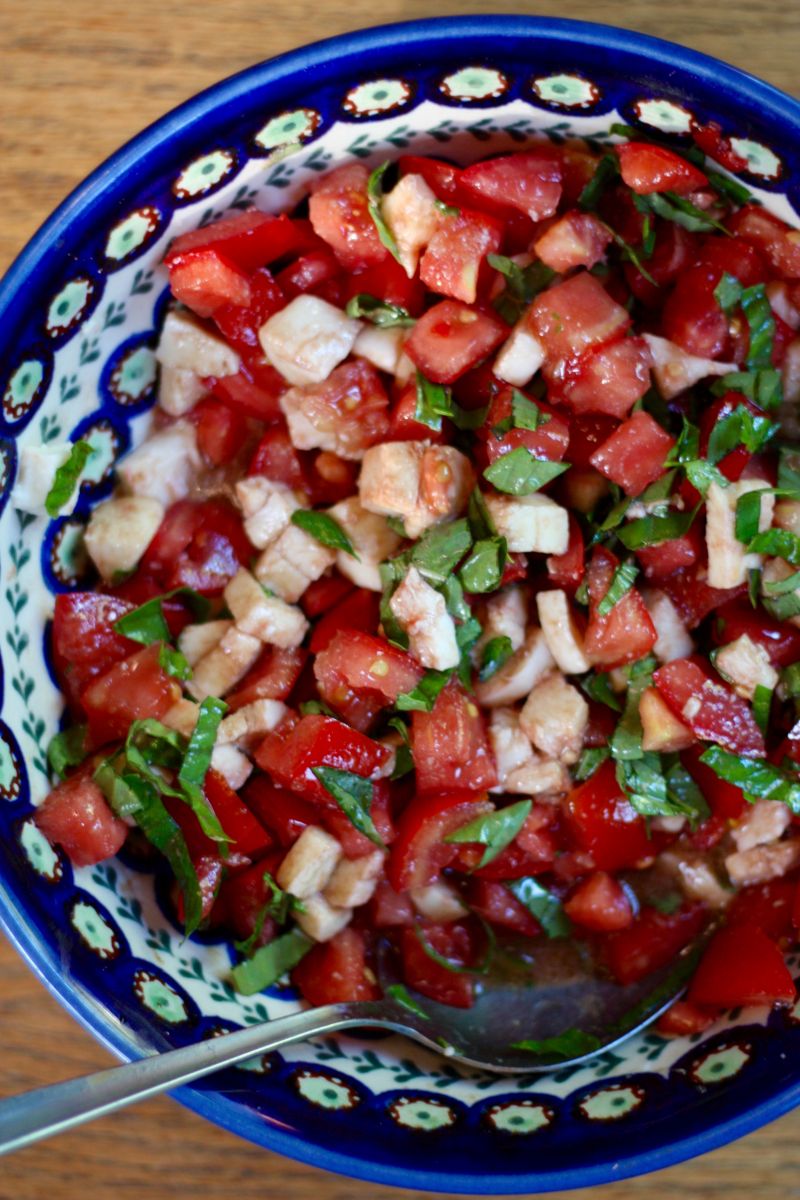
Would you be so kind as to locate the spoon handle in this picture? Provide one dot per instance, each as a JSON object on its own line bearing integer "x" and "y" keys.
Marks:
{"x": 38, "y": 1114}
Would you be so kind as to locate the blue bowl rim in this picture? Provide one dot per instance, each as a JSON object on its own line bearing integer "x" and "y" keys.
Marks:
{"x": 157, "y": 136}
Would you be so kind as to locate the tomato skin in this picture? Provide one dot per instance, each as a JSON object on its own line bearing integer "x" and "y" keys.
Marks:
{"x": 550, "y": 440}
{"x": 429, "y": 977}
{"x": 389, "y": 283}
{"x": 309, "y": 273}
{"x": 575, "y": 315}
{"x": 204, "y": 280}
{"x": 388, "y": 909}
{"x": 272, "y": 677}
{"x": 340, "y": 216}
{"x": 682, "y": 1019}
{"x": 199, "y": 544}
{"x": 694, "y": 598}
{"x": 647, "y": 168}
{"x": 608, "y": 380}
{"x": 354, "y": 843}
{"x": 284, "y": 814}
{"x": 249, "y": 239}
{"x": 358, "y": 609}
{"x": 247, "y": 835}
{"x": 780, "y": 639}
{"x": 254, "y": 391}
{"x": 577, "y": 239}
{"x": 451, "y": 262}
{"x": 404, "y": 424}
{"x": 772, "y": 237}
{"x": 352, "y": 404}
{"x": 241, "y": 900}
{"x": 601, "y": 904}
{"x": 419, "y": 852}
{"x": 724, "y": 799}
{"x": 711, "y": 140}
{"x": 722, "y": 717}
{"x": 324, "y": 594}
{"x": 532, "y": 851}
{"x": 603, "y": 823}
{"x": 673, "y": 251}
{"x": 239, "y": 323}
{"x": 652, "y": 941}
{"x": 85, "y": 643}
{"x": 450, "y": 338}
{"x": 634, "y": 455}
{"x": 768, "y": 906}
{"x": 500, "y": 907}
{"x": 626, "y": 633}
{"x": 290, "y": 751}
{"x": 528, "y": 181}
{"x": 691, "y": 316}
{"x": 221, "y": 430}
{"x": 664, "y": 559}
{"x": 334, "y": 972}
{"x": 362, "y": 660}
{"x": 567, "y": 570}
{"x": 77, "y": 816}
{"x": 450, "y": 746}
{"x": 132, "y": 689}
{"x": 741, "y": 965}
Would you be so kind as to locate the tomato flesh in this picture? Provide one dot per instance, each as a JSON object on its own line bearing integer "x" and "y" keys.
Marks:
{"x": 603, "y": 822}
{"x": 77, "y": 817}
{"x": 419, "y": 851}
{"x": 450, "y": 745}
{"x": 741, "y": 965}
{"x": 450, "y": 338}
{"x": 710, "y": 708}
{"x": 290, "y": 753}
{"x": 335, "y": 972}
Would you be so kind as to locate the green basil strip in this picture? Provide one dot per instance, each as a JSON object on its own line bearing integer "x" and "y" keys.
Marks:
{"x": 353, "y": 794}
{"x": 629, "y": 252}
{"x": 525, "y": 414}
{"x": 764, "y": 387}
{"x": 679, "y": 210}
{"x": 67, "y": 476}
{"x": 173, "y": 662}
{"x": 67, "y": 749}
{"x": 480, "y": 519}
{"x": 523, "y": 284}
{"x": 728, "y": 293}
{"x": 668, "y": 904}
{"x": 731, "y": 189}
{"x": 621, "y": 583}
{"x": 686, "y": 795}
{"x": 779, "y": 543}
{"x": 325, "y": 529}
{"x": 542, "y": 904}
{"x": 316, "y": 708}
{"x": 400, "y": 993}
{"x": 757, "y": 779}
{"x": 496, "y": 652}
{"x": 702, "y": 474}
{"x": 748, "y": 514}
{"x": 597, "y": 686}
{"x": 494, "y": 830}
{"x": 271, "y": 962}
{"x": 758, "y": 311}
{"x": 374, "y": 202}
{"x": 655, "y": 528}
{"x": 448, "y": 963}
{"x": 589, "y": 761}
{"x": 740, "y": 427}
{"x": 754, "y": 586}
{"x": 483, "y": 570}
{"x": 687, "y": 447}
{"x": 762, "y": 703}
{"x": 197, "y": 759}
{"x": 453, "y": 594}
{"x": 652, "y": 793}
{"x": 279, "y": 907}
{"x": 606, "y": 172}
{"x": 440, "y": 549}
{"x": 434, "y": 401}
{"x": 147, "y": 623}
{"x": 467, "y": 635}
{"x": 378, "y": 312}
{"x": 424, "y": 695}
{"x": 626, "y": 741}
{"x": 518, "y": 473}
{"x": 790, "y": 678}
{"x": 572, "y": 1043}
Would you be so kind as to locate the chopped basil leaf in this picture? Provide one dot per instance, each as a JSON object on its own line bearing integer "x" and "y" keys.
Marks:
{"x": 653, "y": 793}
{"x": 448, "y": 963}
{"x": 374, "y": 203}
{"x": 525, "y": 414}
{"x": 679, "y": 210}
{"x": 762, "y": 703}
{"x": 173, "y": 662}
{"x": 728, "y": 293}
{"x": 147, "y": 623}
{"x": 523, "y": 284}
{"x": 391, "y": 573}
{"x": 621, "y": 583}
{"x": 655, "y": 528}
{"x": 780, "y": 543}
{"x": 758, "y": 311}
{"x": 763, "y": 387}
{"x": 325, "y": 529}
{"x": 271, "y": 962}
{"x": 440, "y": 549}
{"x": 467, "y": 635}
{"x": 790, "y": 678}
{"x": 605, "y": 173}
{"x": 316, "y": 708}
{"x": 626, "y": 741}
{"x": 687, "y": 447}
{"x": 758, "y": 779}
{"x": 435, "y": 401}
{"x": 400, "y": 993}
{"x": 353, "y": 793}
{"x": 667, "y": 904}
{"x": 740, "y": 428}
{"x": 498, "y": 650}
{"x": 424, "y": 695}
{"x": 597, "y": 686}
{"x": 589, "y": 761}
{"x": 67, "y": 476}
{"x": 197, "y": 759}
{"x": 731, "y": 189}
{"x": 542, "y": 904}
{"x": 479, "y": 517}
{"x": 404, "y": 762}
{"x": 648, "y": 237}
{"x": 519, "y": 473}
{"x": 396, "y": 525}
{"x": 630, "y": 253}
{"x": 279, "y": 907}
{"x": 701, "y": 474}
{"x": 754, "y": 586}
{"x": 453, "y": 594}
{"x": 748, "y": 514}
{"x": 379, "y": 312}
{"x": 494, "y": 830}
{"x": 783, "y": 605}
{"x": 484, "y": 568}
{"x": 573, "y": 1043}
{"x": 449, "y": 210}
{"x": 67, "y": 749}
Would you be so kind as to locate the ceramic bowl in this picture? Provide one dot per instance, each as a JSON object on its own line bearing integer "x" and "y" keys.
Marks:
{"x": 79, "y": 311}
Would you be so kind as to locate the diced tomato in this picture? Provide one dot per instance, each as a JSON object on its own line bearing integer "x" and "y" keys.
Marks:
{"x": 738, "y": 618}
{"x": 181, "y": 522}
{"x": 357, "y": 610}
{"x": 710, "y": 708}
{"x": 309, "y": 273}
{"x": 450, "y": 746}
{"x": 452, "y": 259}
{"x": 652, "y": 941}
{"x": 724, "y": 799}
{"x": 776, "y": 240}
{"x": 389, "y": 908}
{"x": 247, "y": 835}
{"x": 281, "y": 812}
{"x": 691, "y": 316}
{"x": 627, "y": 632}
{"x": 500, "y": 907}
{"x": 132, "y": 689}
{"x": 450, "y": 338}
{"x": 423, "y": 973}
{"x": 712, "y": 141}
{"x": 567, "y": 570}
{"x": 239, "y": 323}
{"x": 602, "y": 723}
{"x": 675, "y": 554}
{"x": 204, "y": 280}
{"x": 276, "y": 458}
{"x": 600, "y": 903}
{"x": 77, "y": 817}
{"x": 532, "y": 851}
{"x": 221, "y": 430}
{"x": 404, "y": 424}
{"x": 587, "y": 431}
{"x": 290, "y": 752}
{"x": 709, "y": 833}
{"x": 603, "y": 822}
{"x": 419, "y": 851}
{"x": 85, "y": 642}
{"x": 736, "y": 256}
{"x": 390, "y": 283}
{"x": 694, "y": 598}
{"x": 577, "y": 239}
{"x": 634, "y": 455}
{"x": 647, "y": 168}
{"x": 354, "y": 843}
{"x": 361, "y": 660}
{"x": 516, "y": 568}
{"x": 254, "y": 391}
{"x": 765, "y": 905}
{"x": 249, "y": 239}
{"x": 242, "y": 900}
{"x": 528, "y": 181}
{"x": 741, "y": 965}
{"x": 271, "y": 678}
{"x": 215, "y": 553}
{"x": 336, "y": 972}
{"x": 549, "y": 440}
{"x": 352, "y": 405}
{"x": 340, "y": 215}
{"x": 673, "y": 251}
{"x": 683, "y": 1019}
{"x": 572, "y": 316}
{"x": 608, "y": 380}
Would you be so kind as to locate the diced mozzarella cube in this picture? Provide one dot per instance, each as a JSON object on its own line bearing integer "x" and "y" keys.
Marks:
{"x": 119, "y": 532}
{"x": 674, "y": 370}
{"x": 418, "y": 483}
{"x": 697, "y": 878}
{"x": 320, "y": 920}
{"x": 411, "y": 213}
{"x": 439, "y": 902}
{"x": 781, "y": 303}
{"x": 309, "y": 863}
{"x": 405, "y": 370}
{"x": 270, "y": 521}
{"x": 248, "y": 724}
{"x": 564, "y": 639}
{"x": 728, "y": 562}
{"x": 511, "y": 746}
{"x": 790, "y": 379}
{"x": 506, "y": 616}
{"x": 661, "y": 730}
{"x": 763, "y": 822}
{"x": 746, "y": 665}
{"x": 234, "y": 767}
{"x": 381, "y": 347}
{"x": 372, "y": 539}
{"x": 35, "y": 477}
{"x": 186, "y": 345}
{"x": 253, "y": 492}
{"x": 195, "y": 641}
{"x": 164, "y": 466}
{"x": 307, "y": 339}
{"x": 520, "y": 356}
{"x": 555, "y": 717}
{"x": 291, "y": 562}
{"x": 542, "y": 777}
{"x": 673, "y": 639}
{"x": 268, "y": 618}
{"x": 530, "y": 523}
{"x": 178, "y": 390}
{"x": 182, "y": 716}
{"x": 222, "y": 668}
{"x": 763, "y": 863}
{"x": 519, "y": 675}
{"x": 354, "y": 880}
{"x": 775, "y": 570}
{"x": 422, "y": 613}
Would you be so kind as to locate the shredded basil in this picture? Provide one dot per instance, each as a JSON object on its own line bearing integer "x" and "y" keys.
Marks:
{"x": 467, "y": 635}
{"x": 748, "y": 514}
{"x": 374, "y": 207}
{"x": 728, "y": 293}
{"x": 316, "y": 708}
{"x": 378, "y": 312}
{"x": 271, "y": 962}
{"x": 780, "y": 543}
{"x": 655, "y": 793}
{"x": 67, "y": 476}
{"x": 626, "y": 741}
{"x": 589, "y": 761}
{"x": 440, "y": 549}
{"x": 763, "y": 387}
{"x": 630, "y": 253}
{"x": 597, "y": 686}
{"x": 758, "y": 311}
{"x": 518, "y": 473}
{"x": 325, "y": 529}
{"x": 525, "y": 414}
{"x": 762, "y": 703}
{"x": 789, "y": 470}
{"x": 279, "y": 907}
{"x": 701, "y": 474}
{"x": 448, "y": 963}
{"x": 67, "y": 749}
{"x": 740, "y": 427}
{"x": 656, "y": 528}
{"x": 790, "y": 678}
{"x": 484, "y": 568}
{"x": 496, "y": 652}
{"x": 572, "y": 1043}
{"x": 197, "y": 759}
{"x": 731, "y": 189}
{"x": 148, "y": 624}
{"x": 494, "y": 830}
{"x": 435, "y": 401}
{"x": 679, "y": 210}
{"x": 523, "y": 284}
{"x": 759, "y": 780}
{"x": 173, "y": 662}
{"x": 606, "y": 172}
{"x": 400, "y": 993}
{"x": 480, "y": 519}
{"x": 424, "y": 695}
{"x": 621, "y": 583}
{"x": 353, "y": 793}
{"x": 542, "y": 904}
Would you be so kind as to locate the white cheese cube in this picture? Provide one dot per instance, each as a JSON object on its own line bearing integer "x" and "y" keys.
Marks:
{"x": 564, "y": 639}
{"x": 195, "y": 641}
{"x": 234, "y": 767}
{"x": 661, "y": 730}
{"x": 555, "y": 717}
{"x": 763, "y": 863}
{"x": 412, "y": 216}
{"x": 746, "y": 665}
{"x": 268, "y": 618}
{"x": 222, "y": 668}
{"x": 179, "y": 390}
{"x": 187, "y": 345}
{"x": 309, "y": 863}
{"x": 672, "y": 637}
{"x": 307, "y": 339}
{"x": 381, "y": 347}
{"x": 182, "y": 716}
{"x": 520, "y": 356}
{"x": 164, "y": 466}
{"x": 763, "y": 822}
{"x": 506, "y": 616}
{"x": 321, "y": 921}
{"x": 511, "y": 746}
{"x": 529, "y": 524}
{"x": 519, "y": 675}
{"x": 119, "y": 532}
{"x": 291, "y": 562}
{"x": 675, "y": 371}
{"x": 439, "y": 902}
{"x": 372, "y": 540}
{"x": 728, "y": 562}
{"x": 422, "y": 613}
{"x": 35, "y": 476}
{"x": 250, "y": 723}
{"x": 354, "y": 880}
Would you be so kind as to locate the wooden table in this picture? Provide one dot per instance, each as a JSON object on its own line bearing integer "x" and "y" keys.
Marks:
{"x": 77, "y": 80}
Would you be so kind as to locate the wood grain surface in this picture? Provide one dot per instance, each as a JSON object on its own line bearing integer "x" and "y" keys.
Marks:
{"x": 76, "y": 80}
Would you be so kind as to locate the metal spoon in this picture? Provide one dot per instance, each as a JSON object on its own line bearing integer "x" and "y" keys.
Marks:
{"x": 535, "y": 999}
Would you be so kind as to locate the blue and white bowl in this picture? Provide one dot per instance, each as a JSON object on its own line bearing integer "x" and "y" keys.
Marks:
{"x": 79, "y": 313}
